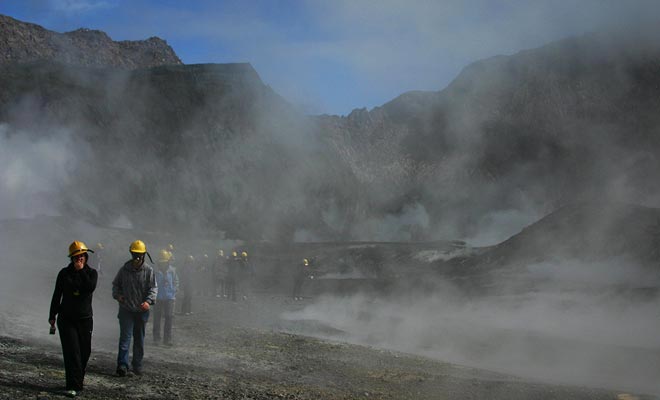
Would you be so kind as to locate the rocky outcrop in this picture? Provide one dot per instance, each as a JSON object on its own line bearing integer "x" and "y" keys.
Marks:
{"x": 22, "y": 42}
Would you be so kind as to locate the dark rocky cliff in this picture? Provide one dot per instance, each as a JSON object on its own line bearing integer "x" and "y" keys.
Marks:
{"x": 24, "y": 42}
{"x": 191, "y": 146}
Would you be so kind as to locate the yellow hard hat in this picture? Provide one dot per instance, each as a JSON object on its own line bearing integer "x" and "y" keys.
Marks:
{"x": 191, "y": 258}
{"x": 305, "y": 261}
{"x": 234, "y": 254}
{"x": 138, "y": 247}
{"x": 77, "y": 248}
{"x": 221, "y": 253}
{"x": 170, "y": 247}
{"x": 244, "y": 254}
{"x": 99, "y": 246}
{"x": 164, "y": 256}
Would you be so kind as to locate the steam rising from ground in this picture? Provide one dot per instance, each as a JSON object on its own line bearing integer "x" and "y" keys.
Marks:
{"x": 34, "y": 171}
{"x": 496, "y": 227}
{"x": 594, "y": 337}
{"x": 258, "y": 170}
{"x": 573, "y": 326}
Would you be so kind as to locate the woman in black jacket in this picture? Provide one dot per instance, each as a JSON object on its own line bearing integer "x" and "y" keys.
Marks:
{"x": 72, "y": 304}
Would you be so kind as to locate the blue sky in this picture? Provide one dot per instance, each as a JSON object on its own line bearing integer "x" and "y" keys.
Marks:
{"x": 332, "y": 56}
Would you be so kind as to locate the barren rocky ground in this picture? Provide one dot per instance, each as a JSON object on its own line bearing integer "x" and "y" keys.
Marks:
{"x": 240, "y": 350}
{"x": 353, "y": 336}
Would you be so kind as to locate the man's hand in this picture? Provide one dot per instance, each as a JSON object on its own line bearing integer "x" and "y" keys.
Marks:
{"x": 145, "y": 306}
{"x": 52, "y": 322}
{"x": 121, "y": 299}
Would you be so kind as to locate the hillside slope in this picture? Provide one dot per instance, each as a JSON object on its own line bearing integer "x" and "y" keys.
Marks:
{"x": 573, "y": 120}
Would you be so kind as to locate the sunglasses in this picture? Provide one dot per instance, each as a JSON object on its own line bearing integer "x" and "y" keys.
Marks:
{"x": 137, "y": 256}
{"x": 78, "y": 257}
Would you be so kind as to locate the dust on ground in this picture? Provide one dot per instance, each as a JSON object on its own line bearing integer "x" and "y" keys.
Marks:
{"x": 241, "y": 350}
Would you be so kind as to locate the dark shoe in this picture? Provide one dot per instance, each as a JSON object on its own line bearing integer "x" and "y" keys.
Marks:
{"x": 137, "y": 371}
{"x": 70, "y": 393}
{"x": 122, "y": 370}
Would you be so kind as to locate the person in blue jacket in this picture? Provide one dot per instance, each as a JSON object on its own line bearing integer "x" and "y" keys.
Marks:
{"x": 72, "y": 304}
{"x": 167, "y": 281}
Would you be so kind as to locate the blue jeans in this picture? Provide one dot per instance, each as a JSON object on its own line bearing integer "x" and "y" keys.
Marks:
{"x": 131, "y": 325}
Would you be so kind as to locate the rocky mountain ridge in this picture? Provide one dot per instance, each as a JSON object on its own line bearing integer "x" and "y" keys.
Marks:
{"x": 22, "y": 42}
{"x": 538, "y": 128}
{"x": 213, "y": 147}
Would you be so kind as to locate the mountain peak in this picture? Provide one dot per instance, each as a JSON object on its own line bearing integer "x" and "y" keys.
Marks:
{"x": 22, "y": 42}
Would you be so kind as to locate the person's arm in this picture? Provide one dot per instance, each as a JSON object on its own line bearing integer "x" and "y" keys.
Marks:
{"x": 88, "y": 280}
{"x": 152, "y": 292}
{"x": 117, "y": 289}
{"x": 176, "y": 281}
{"x": 55, "y": 301}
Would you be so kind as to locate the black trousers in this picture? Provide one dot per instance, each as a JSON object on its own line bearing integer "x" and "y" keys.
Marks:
{"x": 76, "y": 338}
{"x": 186, "y": 304}
{"x": 231, "y": 288}
{"x": 297, "y": 287}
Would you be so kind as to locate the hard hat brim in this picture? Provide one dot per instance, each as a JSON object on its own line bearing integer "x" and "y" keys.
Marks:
{"x": 80, "y": 251}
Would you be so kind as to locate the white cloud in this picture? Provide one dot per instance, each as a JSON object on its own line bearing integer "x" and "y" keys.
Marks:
{"x": 80, "y": 6}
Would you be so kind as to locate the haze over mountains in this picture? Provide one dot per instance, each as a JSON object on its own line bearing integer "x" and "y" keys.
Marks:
{"x": 551, "y": 155}
{"x": 213, "y": 148}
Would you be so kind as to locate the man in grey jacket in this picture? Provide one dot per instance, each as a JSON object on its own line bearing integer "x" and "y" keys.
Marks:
{"x": 135, "y": 289}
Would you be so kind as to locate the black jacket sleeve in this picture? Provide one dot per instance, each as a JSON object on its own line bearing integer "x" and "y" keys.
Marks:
{"x": 87, "y": 280}
{"x": 57, "y": 297}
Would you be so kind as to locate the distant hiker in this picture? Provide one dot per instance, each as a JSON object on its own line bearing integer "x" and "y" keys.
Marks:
{"x": 72, "y": 304}
{"x": 170, "y": 249}
{"x": 220, "y": 274}
{"x": 167, "y": 281}
{"x": 208, "y": 286}
{"x": 233, "y": 270}
{"x": 199, "y": 277}
{"x": 188, "y": 274}
{"x": 135, "y": 289}
{"x": 302, "y": 272}
{"x": 246, "y": 275}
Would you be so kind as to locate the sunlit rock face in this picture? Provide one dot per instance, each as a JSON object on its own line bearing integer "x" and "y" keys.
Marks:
{"x": 22, "y": 42}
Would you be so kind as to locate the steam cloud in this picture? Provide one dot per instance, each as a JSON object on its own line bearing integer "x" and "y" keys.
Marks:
{"x": 34, "y": 170}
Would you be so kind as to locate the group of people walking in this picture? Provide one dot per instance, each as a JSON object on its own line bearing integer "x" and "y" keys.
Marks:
{"x": 226, "y": 276}
{"x": 138, "y": 288}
